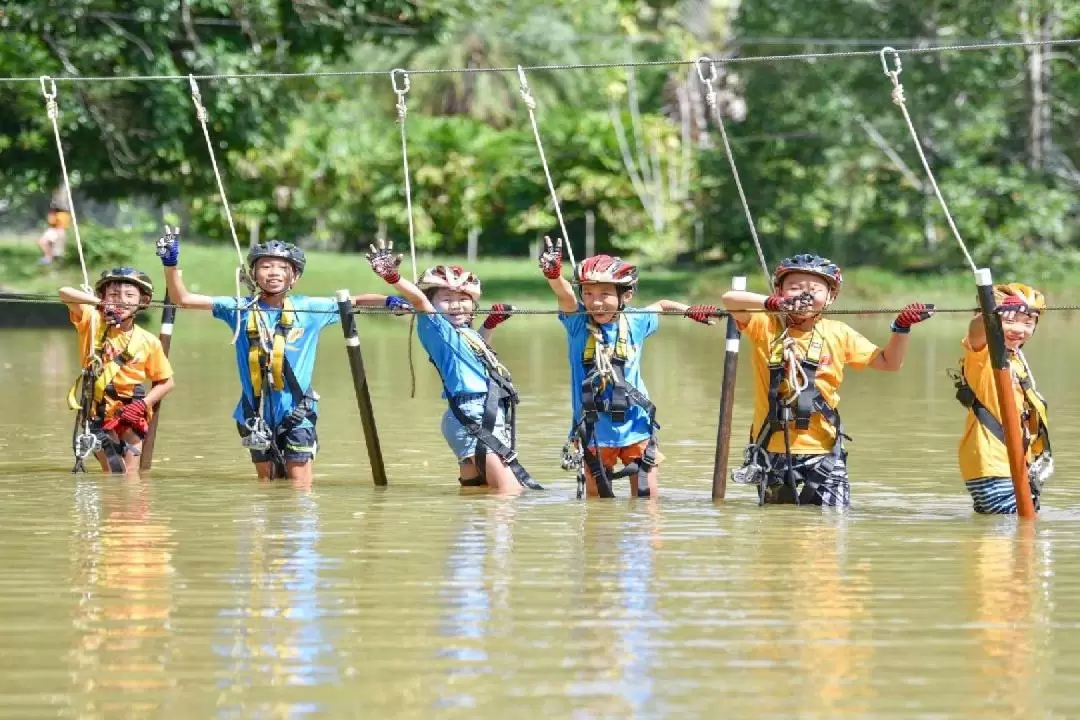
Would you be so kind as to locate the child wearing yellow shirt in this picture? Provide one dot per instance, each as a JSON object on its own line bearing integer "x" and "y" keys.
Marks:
{"x": 984, "y": 461}
{"x": 799, "y": 359}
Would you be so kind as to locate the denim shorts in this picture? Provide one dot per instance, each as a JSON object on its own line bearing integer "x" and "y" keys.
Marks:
{"x": 458, "y": 437}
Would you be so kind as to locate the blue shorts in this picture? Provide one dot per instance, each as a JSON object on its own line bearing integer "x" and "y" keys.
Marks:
{"x": 299, "y": 445}
{"x": 995, "y": 495}
{"x": 458, "y": 437}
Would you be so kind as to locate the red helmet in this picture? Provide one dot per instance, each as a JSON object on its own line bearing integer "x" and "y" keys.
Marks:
{"x": 823, "y": 267}
{"x": 606, "y": 269}
{"x": 452, "y": 277}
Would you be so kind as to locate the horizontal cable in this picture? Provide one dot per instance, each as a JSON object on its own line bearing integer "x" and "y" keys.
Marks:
{"x": 558, "y": 67}
{"x": 36, "y": 299}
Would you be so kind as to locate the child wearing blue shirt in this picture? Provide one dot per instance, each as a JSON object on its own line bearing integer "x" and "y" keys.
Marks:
{"x": 479, "y": 424}
{"x": 614, "y": 419}
{"x": 277, "y": 336}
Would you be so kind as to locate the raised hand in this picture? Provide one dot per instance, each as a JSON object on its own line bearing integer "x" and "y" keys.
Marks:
{"x": 912, "y": 315}
{"x": 794, "y": 304}
{"x": 168, "y": 247}
{"x": 384, "y": 262}
{"x": 704, "y": 314}
{"x": 551, "y": 258}
{"x": 500, "y": 313}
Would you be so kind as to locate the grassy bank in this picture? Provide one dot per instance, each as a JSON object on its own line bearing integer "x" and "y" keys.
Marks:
{"x": 210, "y": 269}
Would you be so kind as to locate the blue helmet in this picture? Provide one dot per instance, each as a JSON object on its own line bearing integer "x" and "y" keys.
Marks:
{"x": 811, "y": 264}
{"x": 277, "y": 249}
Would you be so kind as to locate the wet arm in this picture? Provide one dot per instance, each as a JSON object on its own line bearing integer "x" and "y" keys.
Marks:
{"x": 73, "y": 297}
{"x": 179, "y": 294}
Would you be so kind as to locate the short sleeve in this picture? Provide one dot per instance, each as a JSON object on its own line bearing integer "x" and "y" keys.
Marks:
{"x": 434, "y": 325}
{"x": 643, "y": 324}
{"x": 860, "y": 352}
{"x": 324, "y": 311}
{"x": 224, "y": 308}
{"x": 756, "y": 329}
{"x": 574, "y": 322}
{"x": 158, "y": 367}
{"x": 80, "y": 315}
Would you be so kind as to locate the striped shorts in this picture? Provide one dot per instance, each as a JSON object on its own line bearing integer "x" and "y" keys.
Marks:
{"x": 824, "y": 480}
{"x": 995, "y": 495}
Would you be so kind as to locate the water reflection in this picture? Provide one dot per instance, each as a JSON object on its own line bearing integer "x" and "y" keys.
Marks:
{"x": 122, "y": 555}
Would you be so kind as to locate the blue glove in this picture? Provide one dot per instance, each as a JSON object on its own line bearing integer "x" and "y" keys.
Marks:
{"x": 398, "y": 304}
{"x": 168, "y": 247}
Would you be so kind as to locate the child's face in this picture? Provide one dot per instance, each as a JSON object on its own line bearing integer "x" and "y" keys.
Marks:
{"x": 1018, "y": 328}
{"x": 457, "y": 306}
{"x": 120, "y": 301}
{"x": 601, "y": 300}
{"x": 274, "y": 275}
{"x": 798, "y": 283}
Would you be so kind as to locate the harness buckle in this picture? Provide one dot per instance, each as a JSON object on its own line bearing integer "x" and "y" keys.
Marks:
{"x": 259, "y": 438}
{"x": 86, "y": 444}
{"x": 1040, "y": 471}
{"x": 573, "y": 459}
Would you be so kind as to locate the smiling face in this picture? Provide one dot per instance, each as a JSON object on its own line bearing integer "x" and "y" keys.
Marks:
{"x": 799, "y": 283}
{"x": 602, "y": 300}
{"x": 121, "y": 301}
{"x": 457, "y": 306}
{"x": 1018, "y": 328}
{"x": 274, "y": 275}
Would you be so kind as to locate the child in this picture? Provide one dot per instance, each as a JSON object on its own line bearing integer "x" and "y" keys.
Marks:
{"x": 799, "y": 360}
{"x": 118, "y": 356}
{"x": 52, "y": 240}
{"x": 276, "y": 342}
{"x": 614, "y": 419}
{"x": 479, "y": 425}
{"x": 984, "y": 461}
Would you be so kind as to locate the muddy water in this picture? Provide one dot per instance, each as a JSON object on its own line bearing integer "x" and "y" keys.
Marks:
{"x": 196, "y": 592}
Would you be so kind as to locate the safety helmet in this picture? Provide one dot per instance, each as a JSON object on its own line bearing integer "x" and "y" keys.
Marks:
{"x": 811, "y": 264}
{"x": 606, "y": 269}
{"x": 128, "y": 275}
{"x": 451, "y": 277}
{"x": 1031, "y": 297}
{"x": 277, "y": 249}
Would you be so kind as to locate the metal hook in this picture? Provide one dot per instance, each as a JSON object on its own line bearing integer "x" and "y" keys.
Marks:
{"x": 712, "y": 70}
{"x": 895, "y": 73}
{"x": 49, "y": 94}
{"x": 394, "y": 81}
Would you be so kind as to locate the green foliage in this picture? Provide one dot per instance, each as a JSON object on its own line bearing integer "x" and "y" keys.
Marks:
{"x": 102, "y": 247}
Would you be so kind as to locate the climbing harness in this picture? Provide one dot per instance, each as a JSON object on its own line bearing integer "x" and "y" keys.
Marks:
{"x": 605, "y": 390}
{"x": 1035, "y": 409}
{"x": 793, "y": 398}
{"x": 402, "y": 112}
{"x": 530, "y": 105}
{"x": 500, "y": 395}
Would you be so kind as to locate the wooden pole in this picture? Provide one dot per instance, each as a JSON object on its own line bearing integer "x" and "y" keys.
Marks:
{"x": 359, "y": 378}
{"x": 168, "y": 317}
{"x": 727, "y": 400}
{"x": 1003, "y": 383}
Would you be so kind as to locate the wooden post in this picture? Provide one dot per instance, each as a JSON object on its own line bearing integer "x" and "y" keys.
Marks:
{"x": 590, "y": 233}
{"x": 472, "y": 247}
{"x": 727, "y": 400}
{"x": 359, "y": 378}
{"x": 1003, "y": 383}
{"x": 168, "y": 317}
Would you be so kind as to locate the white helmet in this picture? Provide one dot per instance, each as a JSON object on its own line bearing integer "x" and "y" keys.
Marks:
{"x": 452, "y": 277}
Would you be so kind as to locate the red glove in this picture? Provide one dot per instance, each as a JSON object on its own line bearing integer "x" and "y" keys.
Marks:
{"x": 500, "y": 313}
{"x": 551, "y": 258}
{"x": 134, "y": 416}
{"x": 911, "y": 315}
{"x": 780, "y": 303}
{"x": 384, "y": 262}
{"x": 701, "y": 313}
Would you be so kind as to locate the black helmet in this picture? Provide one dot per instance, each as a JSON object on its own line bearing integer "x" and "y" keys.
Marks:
{"x": 278, "y": 249}
{"x": 127, "y": 275}
{"x": 812, "y": 264}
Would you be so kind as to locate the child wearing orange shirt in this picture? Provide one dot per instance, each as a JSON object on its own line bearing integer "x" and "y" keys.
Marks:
{"x": 984, "y": 461}
{"x": 799, "y": 359}
{"x": 117, "y": 357}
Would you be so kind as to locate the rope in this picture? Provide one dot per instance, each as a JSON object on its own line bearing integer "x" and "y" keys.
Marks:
{"x": 530, "y": 103}
{"x": 710, "y": 99}
{"x": 795, "y": 57}
{"x": 402, "y": 112}
{"x": 898, "y": 98}
{"x": 36, "y": 299}
{"x": 53, "y": 111}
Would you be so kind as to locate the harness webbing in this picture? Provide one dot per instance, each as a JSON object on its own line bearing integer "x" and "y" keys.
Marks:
{"x": 1034, "y": 404}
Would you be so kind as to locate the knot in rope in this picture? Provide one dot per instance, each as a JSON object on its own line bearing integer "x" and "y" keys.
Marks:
{"x": 796, "y": 375}
{"x": 898, "y": 94}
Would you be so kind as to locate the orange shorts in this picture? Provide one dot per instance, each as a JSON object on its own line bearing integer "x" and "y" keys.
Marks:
{"x": 610, "y": 455}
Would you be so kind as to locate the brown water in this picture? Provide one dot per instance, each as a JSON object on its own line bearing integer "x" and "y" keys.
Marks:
{"x": 196, "y": 592}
